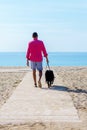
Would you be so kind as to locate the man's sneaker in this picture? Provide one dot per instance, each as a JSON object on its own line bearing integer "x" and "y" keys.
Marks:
{"x": 35, "y": 85}
{"x": 39, "y": 84}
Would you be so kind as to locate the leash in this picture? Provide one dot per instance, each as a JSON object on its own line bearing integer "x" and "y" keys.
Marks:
{"x": 48, "y": 66}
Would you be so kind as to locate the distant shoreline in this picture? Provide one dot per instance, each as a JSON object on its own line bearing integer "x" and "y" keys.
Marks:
{"x": 55, "y": 59}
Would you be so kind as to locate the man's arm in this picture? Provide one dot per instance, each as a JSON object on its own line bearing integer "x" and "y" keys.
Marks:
{"x": 28, "y": 55}
{"x": 45, "y": 53}
{"x": 44, "y": 50}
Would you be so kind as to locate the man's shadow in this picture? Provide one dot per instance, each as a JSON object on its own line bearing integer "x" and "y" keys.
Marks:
{"x": 64, "y": 88}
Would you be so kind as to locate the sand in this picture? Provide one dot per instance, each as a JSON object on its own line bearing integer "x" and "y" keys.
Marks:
{"x": 74, "y": 79}
{"x": 9, "y": 80}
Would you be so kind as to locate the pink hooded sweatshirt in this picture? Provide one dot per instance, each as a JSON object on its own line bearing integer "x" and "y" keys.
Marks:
{"x": 36, "y": 50}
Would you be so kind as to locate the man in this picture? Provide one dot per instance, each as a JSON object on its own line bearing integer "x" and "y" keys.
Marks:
{"x": 35, "y": 52}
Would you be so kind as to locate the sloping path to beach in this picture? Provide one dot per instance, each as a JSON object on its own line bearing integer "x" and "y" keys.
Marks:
{"x": 30, "y": 104}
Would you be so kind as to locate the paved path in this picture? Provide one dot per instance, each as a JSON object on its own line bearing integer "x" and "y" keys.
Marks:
{"x": 30, "y": 104}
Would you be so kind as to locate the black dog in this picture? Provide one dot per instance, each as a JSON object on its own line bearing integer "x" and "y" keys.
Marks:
{"x": 49, "y": 77}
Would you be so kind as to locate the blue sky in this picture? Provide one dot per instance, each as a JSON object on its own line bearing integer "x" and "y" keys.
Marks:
{"x": 61, "y": 24}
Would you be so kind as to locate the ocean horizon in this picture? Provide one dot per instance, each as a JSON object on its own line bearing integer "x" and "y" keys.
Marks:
{"x": 55, "y": 59}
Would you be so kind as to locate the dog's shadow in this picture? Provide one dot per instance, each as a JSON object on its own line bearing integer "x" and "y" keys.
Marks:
{"x": 64, "y": 88}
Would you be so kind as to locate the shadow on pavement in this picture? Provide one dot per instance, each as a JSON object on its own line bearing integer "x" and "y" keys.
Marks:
{"x": 64, "y": 88}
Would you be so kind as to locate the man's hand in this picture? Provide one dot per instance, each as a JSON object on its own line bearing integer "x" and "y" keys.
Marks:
{"x": 27, "y": 63}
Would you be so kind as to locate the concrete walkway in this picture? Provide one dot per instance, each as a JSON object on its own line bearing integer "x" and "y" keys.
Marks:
{"x": 30, "y": 104}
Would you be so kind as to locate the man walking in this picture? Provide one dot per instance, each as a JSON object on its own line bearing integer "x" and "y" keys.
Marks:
{"x": 36, "y": 50}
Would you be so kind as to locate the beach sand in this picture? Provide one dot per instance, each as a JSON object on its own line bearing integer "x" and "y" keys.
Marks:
{"x": 9, "y": 80}
{"x": 74, "y": 79}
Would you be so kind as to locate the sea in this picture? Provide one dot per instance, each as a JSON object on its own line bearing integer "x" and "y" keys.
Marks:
{"x": 55, "y": 59}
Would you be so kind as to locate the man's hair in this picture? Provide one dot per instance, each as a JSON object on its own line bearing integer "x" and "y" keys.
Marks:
{"x": 34, "y": 35}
